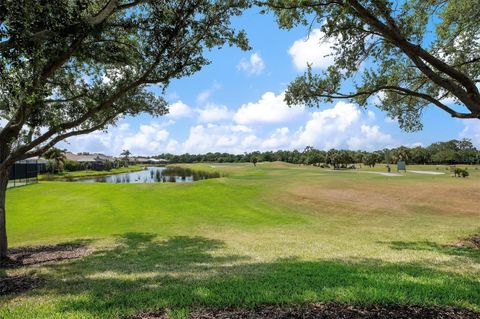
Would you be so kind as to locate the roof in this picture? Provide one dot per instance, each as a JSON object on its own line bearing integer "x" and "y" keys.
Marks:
{"x": 145, "y": 159}
{"x": 91, "y": 158}
{"x": 35, "y": 159}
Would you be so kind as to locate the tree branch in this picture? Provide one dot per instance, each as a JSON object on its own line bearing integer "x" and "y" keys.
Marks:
{"x": 61, "y": 137}
{"x": 108, "y": 102}
{"x": 73, "y": 98}
{"x": 296, "y": 6}
{"x": 111, "y": 7}
{"x": 20, "y": 117}
{"x": 470, "y": 96}
{"x": 403, "y": 91}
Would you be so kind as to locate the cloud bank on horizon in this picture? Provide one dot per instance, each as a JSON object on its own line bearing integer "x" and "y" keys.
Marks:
{"x": 217, "y": 129}
{"x": 198, "y": 123}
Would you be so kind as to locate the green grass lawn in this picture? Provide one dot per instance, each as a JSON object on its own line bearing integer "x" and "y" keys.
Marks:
{"x": 88, "y": 173}
{"x": 277, "y": 233}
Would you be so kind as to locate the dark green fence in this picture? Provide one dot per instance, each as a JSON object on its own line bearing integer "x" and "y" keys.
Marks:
{"x": 24, "y": 173}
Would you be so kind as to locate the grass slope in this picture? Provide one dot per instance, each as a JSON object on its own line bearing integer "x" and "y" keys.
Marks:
{"x": 277, "y": 233}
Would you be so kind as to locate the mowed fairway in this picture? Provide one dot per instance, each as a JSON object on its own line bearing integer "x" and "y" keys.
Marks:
{"x": 276, "y": 233}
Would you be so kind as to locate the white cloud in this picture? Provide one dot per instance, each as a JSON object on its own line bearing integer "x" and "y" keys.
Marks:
{"x": 389, "y": 120}
{"x": 213, "y": 113}
{"x": 270, "y": 108}
{"x": 471, "y": 131}
{"x": 219, "y": 138}
{"x": 149, "y": 139}
{"x": 279, "y": 139}
{"x": 370, "y": 138}
{"x": 371, "y": 115}
{"x": 123, "y": 127}
{"x": 253, "y": 66}
{"x": 112, "y": 75}
{"x": 449, "y": 100}
{"x": 3, "y": 122}
{"x": 342, "y": 126}
{"x": 173, "y": 96}
{"x": 179, "y": 110}
{"x": 415, "y": 144}
{"x": 241, "y": 128}
{"x": 203, "y": 96}
{"x": 328, "y": 127}
{"x": 315, "y": 50}
{"x": 109, "y": 142}
{"x": 172, "y": 146}
{"x": 377, "y": 99}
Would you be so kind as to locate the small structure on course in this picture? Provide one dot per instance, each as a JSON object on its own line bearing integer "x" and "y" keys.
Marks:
{"x": 401, "y": 166}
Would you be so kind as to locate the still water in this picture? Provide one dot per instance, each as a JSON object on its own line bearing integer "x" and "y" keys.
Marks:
{"x": 154, "y": 175}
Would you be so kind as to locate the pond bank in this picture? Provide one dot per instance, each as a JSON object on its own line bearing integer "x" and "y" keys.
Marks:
{"x": 89, "y": 173}
{"x": 153, "y": 174}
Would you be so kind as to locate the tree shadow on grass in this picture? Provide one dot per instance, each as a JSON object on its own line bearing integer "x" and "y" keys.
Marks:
{"x": 143, "y": 273}
{"x": 426, "y": 245}
{"x": 41, "y": 254}
{"x": 27, "y": 256}
{"x": 142, "y": 252}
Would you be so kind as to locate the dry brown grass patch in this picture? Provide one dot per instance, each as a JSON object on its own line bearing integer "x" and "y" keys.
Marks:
{"x": 368, "y": 195}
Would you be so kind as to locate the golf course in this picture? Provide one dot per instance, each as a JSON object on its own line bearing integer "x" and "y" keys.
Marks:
{"x": 272, "y": 234}
{"x": 239, "y": 159}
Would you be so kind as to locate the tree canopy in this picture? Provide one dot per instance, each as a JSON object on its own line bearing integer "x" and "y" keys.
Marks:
{"x": 73, "y": 67}
{"x": 439, "y": 153}
{"x": 409, "y": 54}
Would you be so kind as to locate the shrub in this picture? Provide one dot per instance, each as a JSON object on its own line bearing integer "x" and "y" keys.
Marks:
{"x": 51, "y": 167}
{"x": 73, "y": 166}
{"x": 460, "y": 172}
{"x": 108, "y": 166}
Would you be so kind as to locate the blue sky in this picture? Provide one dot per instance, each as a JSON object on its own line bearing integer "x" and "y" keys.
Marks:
{"x": 235, "y": 105}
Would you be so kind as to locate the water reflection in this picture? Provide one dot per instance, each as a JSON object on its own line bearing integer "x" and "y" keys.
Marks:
{"x": 154, "y": 175}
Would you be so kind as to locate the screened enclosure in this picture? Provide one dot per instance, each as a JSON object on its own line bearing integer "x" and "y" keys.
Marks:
{"x": 24, "y": 173}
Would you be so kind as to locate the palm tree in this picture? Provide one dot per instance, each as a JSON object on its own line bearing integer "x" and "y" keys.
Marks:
{"x": 57, "y": 156}
{"x": 125, "y": 154}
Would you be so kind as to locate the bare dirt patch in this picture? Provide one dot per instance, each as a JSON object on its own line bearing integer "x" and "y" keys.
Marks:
{"x": 18, "y": 284}
{"x": 34, "y": 255}
{"x": 470, "y": 242}
{"x": 358, "y": 198}
{"x": 364, "y": 195}
{"x": 326, "y": 311}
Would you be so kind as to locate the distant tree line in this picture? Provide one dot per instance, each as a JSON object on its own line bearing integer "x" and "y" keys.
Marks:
{"x": 447, "y": 153}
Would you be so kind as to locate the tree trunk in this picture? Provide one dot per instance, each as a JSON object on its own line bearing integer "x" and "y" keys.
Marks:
{"x": 3, "y": 227}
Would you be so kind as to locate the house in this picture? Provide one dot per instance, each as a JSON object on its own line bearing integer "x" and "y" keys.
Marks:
{"x": 94, "y": 161}
{"x": 97, "y": 160}
{"x": 162, "y": 161}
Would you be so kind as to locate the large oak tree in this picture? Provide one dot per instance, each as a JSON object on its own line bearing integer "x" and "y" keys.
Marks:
{"x": 72, "y": 67}
{"x": 411, "y": 54}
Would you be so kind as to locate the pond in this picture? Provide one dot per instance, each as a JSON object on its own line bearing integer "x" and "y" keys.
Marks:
{"x": 154, "y": 175}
